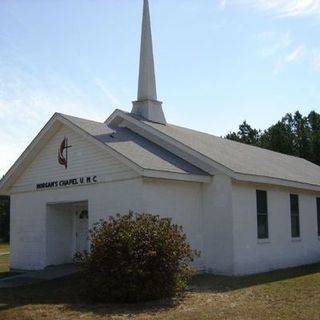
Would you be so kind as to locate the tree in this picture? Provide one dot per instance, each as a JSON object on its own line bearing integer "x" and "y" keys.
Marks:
{"x": 277, "y": 138}
{"x": 246, "y": 134}
{"x": 294, "y": 134}
{"x": 302, "y": 135}
{"x": 314, "y": 123}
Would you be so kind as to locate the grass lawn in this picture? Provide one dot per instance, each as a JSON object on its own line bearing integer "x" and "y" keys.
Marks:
{"x": 4, "y": 269}
{"x": 287, "y": 294}
{"x": 4, "y": 264}
{"x": 4, "y": 247}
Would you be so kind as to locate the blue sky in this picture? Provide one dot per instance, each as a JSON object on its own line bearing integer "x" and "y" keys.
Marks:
{"x": 217, "y": 62}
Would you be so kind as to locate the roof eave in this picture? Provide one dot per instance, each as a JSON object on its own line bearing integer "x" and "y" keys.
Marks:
{"x": 118, "y": 115}
{"x": 247, "y": 178}
{"x": 52, "y": 126}
{"x": 168, "y": 175}
{"x": 204, "y": 163}
{"x": 17, "y": 166}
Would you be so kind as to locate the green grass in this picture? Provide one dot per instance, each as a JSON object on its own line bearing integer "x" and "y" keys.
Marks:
{"x": 4, "y": 247}
{"x": 4, "y": 268}
{"x": 4, "y": 263}
{"x": 4, "y": 260}
{"x": 286, "y": 295}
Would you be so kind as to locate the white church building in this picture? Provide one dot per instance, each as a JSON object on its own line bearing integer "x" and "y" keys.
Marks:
{"x": 247, "y": 209}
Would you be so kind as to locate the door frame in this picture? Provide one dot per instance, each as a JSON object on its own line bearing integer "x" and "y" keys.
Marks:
{"x": 77, "y": 207}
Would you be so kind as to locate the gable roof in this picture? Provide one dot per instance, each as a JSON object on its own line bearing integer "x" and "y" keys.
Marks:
{"x": 138, "y": 153}
{"x": 139, "y": 150}
{"x": 243, "y": 158}
{"x": 238, "y": 160}
{"x": 153, "y": 159}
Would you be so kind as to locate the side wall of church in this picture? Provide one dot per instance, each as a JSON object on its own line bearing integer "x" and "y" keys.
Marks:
{"x": 280, "y": 250}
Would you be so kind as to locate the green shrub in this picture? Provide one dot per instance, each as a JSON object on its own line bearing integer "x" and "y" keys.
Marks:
{"x": 136, "y": 257}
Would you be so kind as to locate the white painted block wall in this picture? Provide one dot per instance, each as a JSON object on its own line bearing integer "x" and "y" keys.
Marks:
{"x": 281, "y": 251}
{"x": 204, "y": 211}
{"x": 29, "y": 219}
{"x": 29, "y": 216}
{"x": 218, "y": 224}
{"x": 219, "y": 218}
{"x": 182, "y": 201}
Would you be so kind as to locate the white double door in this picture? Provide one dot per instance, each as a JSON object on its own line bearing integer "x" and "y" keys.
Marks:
{"x": 80, "y": 229}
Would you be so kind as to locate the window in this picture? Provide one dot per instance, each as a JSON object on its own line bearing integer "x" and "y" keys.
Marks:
{"x": 295, "y": 221}
{"x": 318, "y": 215}
{"x": 262, "y": 214}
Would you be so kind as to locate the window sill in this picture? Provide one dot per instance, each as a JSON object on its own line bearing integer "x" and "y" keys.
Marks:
{"x": 264, "y": 241}
{"x": 296, "y": 239}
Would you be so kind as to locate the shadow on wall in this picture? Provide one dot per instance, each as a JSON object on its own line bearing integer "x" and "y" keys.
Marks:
{"x": 66, "y": 291}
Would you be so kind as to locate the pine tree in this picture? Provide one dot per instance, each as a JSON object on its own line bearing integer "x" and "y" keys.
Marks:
{"x": 294, "y": 134}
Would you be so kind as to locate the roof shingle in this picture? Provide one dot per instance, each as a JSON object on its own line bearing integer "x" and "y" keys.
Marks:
{"x": 238, "y": 157}
{"x": 141, "y": 151}
{"x": 243, "y": 158}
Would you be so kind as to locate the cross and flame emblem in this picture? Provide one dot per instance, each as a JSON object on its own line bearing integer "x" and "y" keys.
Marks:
{"x": 63, "y": 153}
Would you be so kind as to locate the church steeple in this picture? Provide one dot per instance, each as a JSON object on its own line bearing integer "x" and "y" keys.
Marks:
{"x": 147, "y": 104}
{"x": 147, "y": 82}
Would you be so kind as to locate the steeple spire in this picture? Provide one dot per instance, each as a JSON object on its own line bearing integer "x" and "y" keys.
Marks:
{"x": 147, "y": 104}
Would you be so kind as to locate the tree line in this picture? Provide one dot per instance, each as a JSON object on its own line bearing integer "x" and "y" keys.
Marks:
{"x": 294, "y": 134}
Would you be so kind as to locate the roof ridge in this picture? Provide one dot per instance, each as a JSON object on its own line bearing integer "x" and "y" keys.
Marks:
{"x": 69, "y": 115}
{"x": 154, "y": 126}
{"x": 238, "y": 142}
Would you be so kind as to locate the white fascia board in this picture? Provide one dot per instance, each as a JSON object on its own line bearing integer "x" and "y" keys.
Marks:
{"x": 154, "y": 135}
{"x": 115, "y": 117}
{"x": 126, "y": 161}
{"x": 176, "y": 176}
{"x": 274, "y": 181}
{"x": 22, "y": 161}
{"x": 52, "y": 126}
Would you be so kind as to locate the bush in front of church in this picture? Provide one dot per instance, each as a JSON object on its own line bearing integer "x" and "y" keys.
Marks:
{"x": 136, "y": 257}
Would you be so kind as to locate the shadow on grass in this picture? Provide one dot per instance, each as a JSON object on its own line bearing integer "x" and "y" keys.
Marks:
{"x": 7, "y": 274}
{"x": 67, "y": 291}
{"x": 219, "y": 284}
